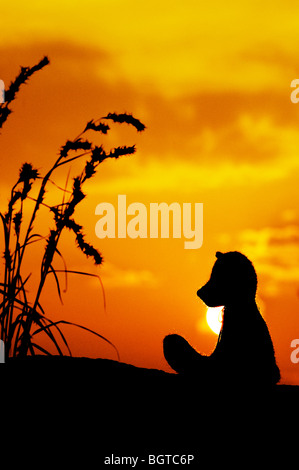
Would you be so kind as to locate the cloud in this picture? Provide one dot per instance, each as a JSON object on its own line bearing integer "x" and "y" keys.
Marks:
{"x": 85, "y": 82}
{"x": 176, "y": 46}
{"x": 115, "y": 277}
{"x": 155, "y": 176}
{"x": 81, "y": 83}
{"x": 218, "y": 125}
{"x": 199, "y": 140}
{"x": 275, "y": 254}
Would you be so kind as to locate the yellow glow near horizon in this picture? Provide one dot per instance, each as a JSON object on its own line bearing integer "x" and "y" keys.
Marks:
{"x": 214, "y": 318}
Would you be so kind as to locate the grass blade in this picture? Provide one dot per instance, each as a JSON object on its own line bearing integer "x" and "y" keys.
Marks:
{"x": 82, "y": 273}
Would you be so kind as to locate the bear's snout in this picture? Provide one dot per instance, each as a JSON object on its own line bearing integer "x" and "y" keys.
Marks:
{"x": 199, "y": 293}
{"x": 209, "y": 295}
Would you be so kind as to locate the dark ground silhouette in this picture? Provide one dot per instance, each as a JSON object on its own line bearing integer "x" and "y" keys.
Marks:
{"x": 81, "y": 410}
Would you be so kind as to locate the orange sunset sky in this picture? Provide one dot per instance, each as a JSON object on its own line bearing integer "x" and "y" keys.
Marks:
{"x": 211, "y": 81}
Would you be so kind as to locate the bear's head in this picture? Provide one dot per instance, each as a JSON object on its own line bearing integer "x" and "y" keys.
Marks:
{"x": 233, "y": 280}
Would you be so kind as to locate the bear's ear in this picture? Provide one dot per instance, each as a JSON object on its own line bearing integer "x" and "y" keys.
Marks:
{"x": 219, "y": 254}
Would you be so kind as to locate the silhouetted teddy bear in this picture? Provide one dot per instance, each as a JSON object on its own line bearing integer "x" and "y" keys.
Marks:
{"x": 244, "y": 352}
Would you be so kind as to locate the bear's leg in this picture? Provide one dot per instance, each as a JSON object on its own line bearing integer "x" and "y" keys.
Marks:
{"x": 182, "y": 357}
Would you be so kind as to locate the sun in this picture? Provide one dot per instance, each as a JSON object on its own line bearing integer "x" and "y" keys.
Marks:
{"x": 214, "y": 318}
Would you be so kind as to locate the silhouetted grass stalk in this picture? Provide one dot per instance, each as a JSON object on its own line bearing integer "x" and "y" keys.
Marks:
{"x": 21, "y": 319}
